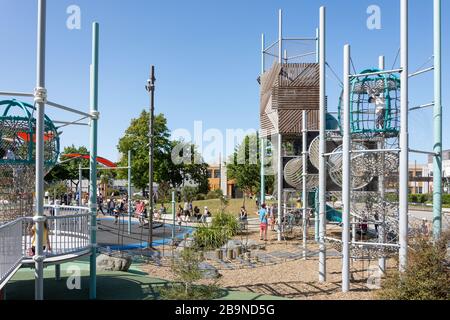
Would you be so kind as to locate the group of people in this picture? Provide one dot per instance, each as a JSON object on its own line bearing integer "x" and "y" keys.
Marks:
{"x": 191, "y": 212}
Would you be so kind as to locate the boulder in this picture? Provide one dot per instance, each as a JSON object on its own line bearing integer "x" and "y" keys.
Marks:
{"x": 187, "y": 243}
{"x": 208, "y": 271}
{"x": 114, "y": 262}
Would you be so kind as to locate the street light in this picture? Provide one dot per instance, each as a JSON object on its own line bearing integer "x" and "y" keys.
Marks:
{"x": 150, "y": 87}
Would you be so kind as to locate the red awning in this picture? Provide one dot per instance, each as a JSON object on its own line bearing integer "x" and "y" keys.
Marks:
{"x": 101, "y": 160}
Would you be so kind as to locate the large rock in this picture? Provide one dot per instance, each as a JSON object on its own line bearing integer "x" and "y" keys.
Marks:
{"x": 187, "y": 243}
{"x": 208, "y": 271}
{"x": 114, "y": 262}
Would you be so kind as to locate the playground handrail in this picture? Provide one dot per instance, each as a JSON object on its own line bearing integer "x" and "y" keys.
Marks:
{"x": 10, "y": 249}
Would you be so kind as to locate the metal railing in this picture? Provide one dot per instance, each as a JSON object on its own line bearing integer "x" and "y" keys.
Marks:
{"x": 68, "y": 231}
{"x": 10, "y": 248}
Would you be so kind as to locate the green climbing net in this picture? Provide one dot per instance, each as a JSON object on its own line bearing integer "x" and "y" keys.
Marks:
{"x": 17, "y": 157}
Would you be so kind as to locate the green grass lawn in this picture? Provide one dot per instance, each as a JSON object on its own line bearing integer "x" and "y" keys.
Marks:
{"x": 132, "y": 285}
{"x": 213, "y": 205}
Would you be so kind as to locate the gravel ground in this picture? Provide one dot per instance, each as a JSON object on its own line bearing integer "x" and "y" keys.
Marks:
{"x": 296, "y": 279}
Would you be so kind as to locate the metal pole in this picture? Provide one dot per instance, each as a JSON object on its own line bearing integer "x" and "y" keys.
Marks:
{"x": 404, "y": 143}
{"x": 263, "y": 173}
{"x": 280, "y": 36}
{"x": 80, "y": 184}
{"x": 346, "y": 175}
{"x": 280, "y": 185}
{"x": 93, "y": 160}
{"x": 40, "y": 100}
{"x": 129, "y": 191}
{"x": 437, "y": 160}
{"x": 173, "y": 218}
{"x": 381, "y": 190}
{"x": 322, "y": 148}
{"x": 305, "y": 175}
{"x": 151, "y": 89}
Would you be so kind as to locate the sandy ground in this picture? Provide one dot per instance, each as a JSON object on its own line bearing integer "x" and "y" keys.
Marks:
{"x": 296, "y": 279}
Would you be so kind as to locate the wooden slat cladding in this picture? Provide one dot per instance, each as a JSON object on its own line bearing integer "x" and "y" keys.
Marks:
{"x": 290, "y": 121}
{"x": 287, "y": 90}
{"x": 303, "y": 98}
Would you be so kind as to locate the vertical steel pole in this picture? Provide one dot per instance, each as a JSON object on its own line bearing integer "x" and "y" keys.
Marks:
{"x": 173, "y": 217}
{"x": 151, "y": 89}
{"x": 381, "y": 190}
{"x": 262, "y": 141}
{"x": 263, "y": 173}
{"x": 93, "y": 160}
{"x": 129, "y": 192}
{"x": 316, "y": 220}
{"x": 404, "y": 137}
{"x": 40, "y": 100}
{"x": 80, "y": 184}
{"x": 280, "y": 139}
{"x": 322, "y": 148}
{"x": 305, "y": 176}
{"x": 280, "y": 36}
{"x": 346, "y": 175}
{"x": 437, "y": 159}
{"x": 280, "y": 185}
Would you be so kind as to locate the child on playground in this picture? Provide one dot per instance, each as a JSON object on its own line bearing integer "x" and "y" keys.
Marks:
{"x": 272, "y": 217}
{"x": 263, "y": 222}
{"x": 380, "y": 109}
{"x": 46, "y": 241}
{"x": 179, "y": 219}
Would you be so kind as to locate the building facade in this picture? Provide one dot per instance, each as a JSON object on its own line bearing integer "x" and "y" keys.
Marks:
{"x": 218, "y": 179}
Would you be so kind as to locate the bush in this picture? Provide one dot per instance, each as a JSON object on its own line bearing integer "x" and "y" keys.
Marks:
{"x": 187, "y": 271}
{"x": 214, "y": 194}
{"x": 201, "y": 197}
{"x": 446, "y": 199}
{"x": 224, "y": 226}
{"x": 427, "y": 276}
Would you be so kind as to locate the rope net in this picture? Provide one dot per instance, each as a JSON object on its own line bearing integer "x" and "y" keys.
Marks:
{"x": 17, "y": 157}
{"x": 374, "y": 105}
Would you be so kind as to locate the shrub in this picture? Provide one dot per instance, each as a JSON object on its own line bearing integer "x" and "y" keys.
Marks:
{"x": 224, "y": 226}
{"x": 427, "y": 276}
{"x": 201, "y": 197}
{"x": 214, "y": 194}
{"x": 446, "y": 199}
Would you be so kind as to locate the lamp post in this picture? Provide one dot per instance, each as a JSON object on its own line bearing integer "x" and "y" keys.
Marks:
{"x": 150, "y": 87}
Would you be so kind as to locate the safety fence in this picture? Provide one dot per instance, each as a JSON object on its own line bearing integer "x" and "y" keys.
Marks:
{"x": 10, "y": 249}
{"x": 67, "y": 232}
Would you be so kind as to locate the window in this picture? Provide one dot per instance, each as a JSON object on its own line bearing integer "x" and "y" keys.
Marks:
{"x": 209, "y": 174}
{"x": 217, "y": 174}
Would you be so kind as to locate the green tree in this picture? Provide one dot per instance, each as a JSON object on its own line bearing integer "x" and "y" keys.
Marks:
{"x": 68, "y": 170}
{"x": 136, "y": 139}
{"x": 245, "y": 168}
{"x": 165, "y": 169}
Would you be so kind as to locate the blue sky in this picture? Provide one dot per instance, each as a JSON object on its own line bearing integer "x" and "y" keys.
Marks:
{"x": 207, "y": 57}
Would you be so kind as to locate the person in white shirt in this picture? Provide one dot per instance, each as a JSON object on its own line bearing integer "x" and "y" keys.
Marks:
{"x": 380, "y": 109}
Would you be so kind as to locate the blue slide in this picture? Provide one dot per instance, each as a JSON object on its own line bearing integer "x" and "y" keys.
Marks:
{"x": 333, "y": 215}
